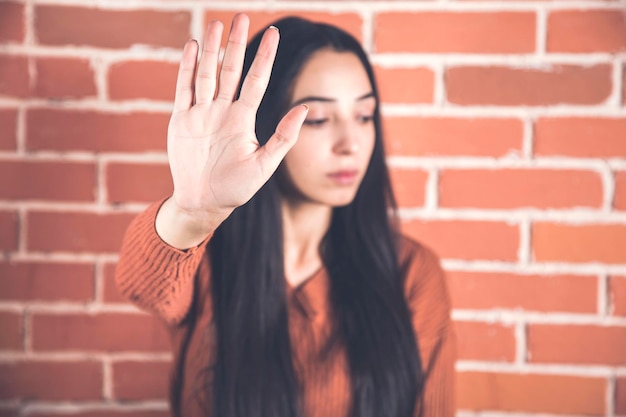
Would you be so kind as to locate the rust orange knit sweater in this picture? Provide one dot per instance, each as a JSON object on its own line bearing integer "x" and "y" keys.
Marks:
{"x": 173, "y": 284}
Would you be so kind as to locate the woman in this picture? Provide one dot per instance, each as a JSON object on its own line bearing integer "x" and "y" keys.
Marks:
{"x": 275, "y": 262}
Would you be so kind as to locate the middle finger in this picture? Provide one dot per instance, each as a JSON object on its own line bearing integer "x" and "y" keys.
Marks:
{"x": 207, "y": 69}
{"x": 233, "y": 58}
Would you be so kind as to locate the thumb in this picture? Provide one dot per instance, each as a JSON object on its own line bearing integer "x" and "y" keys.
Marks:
{"x": 285, "y": 136}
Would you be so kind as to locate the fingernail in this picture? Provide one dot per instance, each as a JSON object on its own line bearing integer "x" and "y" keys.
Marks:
{"x": 306, "y": 107}
{"x": 274, "y": 27}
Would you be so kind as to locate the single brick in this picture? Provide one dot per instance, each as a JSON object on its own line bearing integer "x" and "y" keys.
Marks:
{"x": 8, "y": 129}
{"x": 106, "y": 332}
{"x": 544, "y": 293}
{"x": 9, "y": 227}
{"x": 14, "y": 76}
{"x": 44, "y": 281}
{"x": 409, "y": 186}
{"x": 85, "y": 130}
{"x": 110, "y": 28}
{"x": 531, "y": 393}
{"x": 12, "y": 331}
{"x": 582, "y": 137}
{"x": 604, "y": 31}
{"x": 503, "y": 86}
{"x": 447, "y": 136}
{"x": 11, "y": 22}
{"x": 51, "y": 381}
{"x": 145, "y": 380}
{"x": 155, "y": 80}
{"x": 76, "y": 232}
{"x": 48, "y": 180}
{"x": 138, "y": 182}
{"x": 64, "y": 78}
{"x": 405, "y": 85}
{"x": 556, "y": 242}
{"x": 462, "y": 239}
{"x": 485, "y": 341}
{"x": 462, "y": 32}
{"x": 517, "y": 188}
{"x": 577, "y": 344}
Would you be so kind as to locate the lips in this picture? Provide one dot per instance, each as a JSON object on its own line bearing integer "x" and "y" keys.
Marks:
{"x": 344, "y": 177}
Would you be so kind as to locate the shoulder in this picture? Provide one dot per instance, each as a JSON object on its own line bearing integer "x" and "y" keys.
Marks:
{"x": 418, "y": 262}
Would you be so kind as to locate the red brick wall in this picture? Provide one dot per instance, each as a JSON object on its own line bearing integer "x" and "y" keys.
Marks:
{"x": 506, "y": 131}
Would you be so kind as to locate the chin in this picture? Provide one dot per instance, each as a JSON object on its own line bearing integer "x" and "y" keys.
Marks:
{"x": 341, "y": 204}
{"x": 325, "y": 196}
{"x": 340, "y": 200}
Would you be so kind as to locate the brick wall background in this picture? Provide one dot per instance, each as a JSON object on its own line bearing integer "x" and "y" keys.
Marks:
{"x": 506, "y": 131}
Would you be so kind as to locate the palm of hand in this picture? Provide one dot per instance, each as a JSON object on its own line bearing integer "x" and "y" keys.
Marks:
{"x": 215, "y": 158}
{"x": 211, "y": 153}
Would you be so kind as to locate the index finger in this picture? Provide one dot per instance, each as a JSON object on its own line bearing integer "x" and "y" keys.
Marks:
{"x": 255, "y": 83}
{"x": 183, "y": 97}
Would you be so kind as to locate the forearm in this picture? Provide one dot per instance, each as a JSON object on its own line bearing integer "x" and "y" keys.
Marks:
{"x": 154, "y": 275}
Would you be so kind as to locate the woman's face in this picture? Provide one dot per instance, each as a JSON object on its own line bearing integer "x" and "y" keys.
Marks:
{"x": 331, "y": 156}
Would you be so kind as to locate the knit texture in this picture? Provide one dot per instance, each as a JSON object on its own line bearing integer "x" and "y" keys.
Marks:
{"x": 175, "y": 285}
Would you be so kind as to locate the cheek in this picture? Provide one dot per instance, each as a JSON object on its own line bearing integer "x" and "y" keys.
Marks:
{"x": 300, "y": 158}
{"x": 368, "y": 143}
{"x": 306, "y": 149}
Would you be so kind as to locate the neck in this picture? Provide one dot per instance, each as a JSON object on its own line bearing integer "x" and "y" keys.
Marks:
{"x": 304, "y": 226}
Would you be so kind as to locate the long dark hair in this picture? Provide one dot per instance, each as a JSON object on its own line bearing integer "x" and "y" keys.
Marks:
{"x": 254, "y": 373}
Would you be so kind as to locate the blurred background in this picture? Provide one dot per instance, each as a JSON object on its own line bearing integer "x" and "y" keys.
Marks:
{"x": 506, "y": 133}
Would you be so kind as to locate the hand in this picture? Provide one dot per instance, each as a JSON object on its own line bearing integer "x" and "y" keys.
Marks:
{"x": 215, "y": 158}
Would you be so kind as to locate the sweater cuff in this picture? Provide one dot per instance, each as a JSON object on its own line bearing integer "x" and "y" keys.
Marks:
{"x": 146, "y": 227}
{"x": 153, "y": 274}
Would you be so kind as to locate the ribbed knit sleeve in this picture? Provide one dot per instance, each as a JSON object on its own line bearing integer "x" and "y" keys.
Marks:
{"x": 157, "y": 277}
{"x": 439, "y": 390}
{"x": 429, "y": 301}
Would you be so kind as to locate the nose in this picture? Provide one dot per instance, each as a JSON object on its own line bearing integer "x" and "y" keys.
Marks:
{"x": 347, "y": 140}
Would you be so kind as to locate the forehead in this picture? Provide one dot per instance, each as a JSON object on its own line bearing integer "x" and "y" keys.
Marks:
{"x": 336, "y": 75}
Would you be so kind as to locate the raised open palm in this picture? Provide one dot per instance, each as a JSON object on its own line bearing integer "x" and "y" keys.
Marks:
{"x": 215, "y": 158}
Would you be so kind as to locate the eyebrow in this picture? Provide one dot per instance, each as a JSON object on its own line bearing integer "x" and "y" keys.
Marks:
{"x": 328, "y": 99}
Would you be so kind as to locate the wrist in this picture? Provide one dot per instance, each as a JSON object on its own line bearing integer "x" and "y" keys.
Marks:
{"x": 199, "y": 221}
{"x": 182, "y": 228}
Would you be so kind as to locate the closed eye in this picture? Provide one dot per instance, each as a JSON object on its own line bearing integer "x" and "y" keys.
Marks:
{"x": 315, "y": 122}
{"x": 366, "y": 119}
